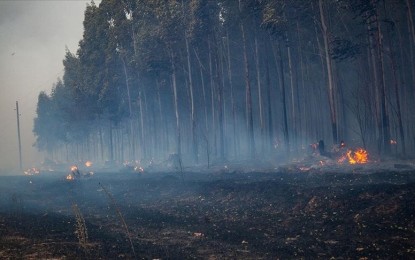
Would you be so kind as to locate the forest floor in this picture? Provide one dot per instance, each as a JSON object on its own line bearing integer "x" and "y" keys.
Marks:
{"x": 283, "y": 213}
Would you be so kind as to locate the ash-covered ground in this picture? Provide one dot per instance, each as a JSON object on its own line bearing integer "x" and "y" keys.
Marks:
{"x": 359, "y": 212}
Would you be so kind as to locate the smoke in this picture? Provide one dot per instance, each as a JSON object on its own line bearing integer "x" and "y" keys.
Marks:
{"x": 34, "y": 35}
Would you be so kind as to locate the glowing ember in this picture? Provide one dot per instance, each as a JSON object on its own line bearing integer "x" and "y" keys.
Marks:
{"x": 342, "y": 159}
{"x": 139, "y": 169}
{"x": 74, "y": 168}
{"x": 357, "y": 157}
{"x": 31, "y": 171}
{"x": 70, "y": 177}
{"x": 88, "y": 163}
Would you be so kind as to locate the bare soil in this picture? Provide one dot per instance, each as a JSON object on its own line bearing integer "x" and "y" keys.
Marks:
{"x": 218, "y": 215}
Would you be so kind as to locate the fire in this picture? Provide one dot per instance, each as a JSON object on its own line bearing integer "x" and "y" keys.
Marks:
{"x": 88, "y": 163}
{"x": 32, "y": 171}
{"x": 70, "y": 177}
{"x": 393, "y": 142}
{"x": 74, "y": 168}
{"x": 138, "y": 169}
{"x": 357, "y": 157}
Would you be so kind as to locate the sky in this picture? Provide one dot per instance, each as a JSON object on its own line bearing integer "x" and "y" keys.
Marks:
{"x": 33, "y": 38}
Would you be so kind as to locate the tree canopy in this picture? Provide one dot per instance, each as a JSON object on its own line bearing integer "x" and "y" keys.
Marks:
{"x": 233, "y": 79}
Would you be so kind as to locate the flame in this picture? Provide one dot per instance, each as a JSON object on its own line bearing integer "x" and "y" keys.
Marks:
{"x": 74, "y": 168}
{"x": 88, "y": 163}
{"x": 357, "y": 157}
{"x": 70, "y": 177}
{"x": 393, "y": 142}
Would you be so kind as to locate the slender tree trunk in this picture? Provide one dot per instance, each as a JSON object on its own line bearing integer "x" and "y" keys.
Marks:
{"x": 176, "y": 109}
{"x": 280, "y": 66}
{"x": 331, "y": 91}
{"x": 294, "y": 93}
{"x": 201, "y": 68}
{"x": 192, "y": 105}
{"x": 269, "y": 106}
{"x": 250, "y": 121}
{"x": 258, "y": 80}
{"x": 132, "y": 135}
{"x": 384, "y": 112}
{"x": 212, "y": 97}
{"x": 220, "y": 96}
{"x": 111, "y": 146}
{"x": 235, "y": 136}
{"x": 160, "y": 116}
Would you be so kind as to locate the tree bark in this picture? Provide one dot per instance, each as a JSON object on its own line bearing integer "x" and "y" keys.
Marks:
{"x": 331, "y": 91}
{"x": 248, "y": 101}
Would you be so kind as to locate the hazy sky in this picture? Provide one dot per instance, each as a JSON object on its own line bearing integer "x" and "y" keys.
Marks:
{"x": 33, "y": 37}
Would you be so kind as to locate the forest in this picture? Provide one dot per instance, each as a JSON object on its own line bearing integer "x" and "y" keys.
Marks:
{"x": 233, "y": 80}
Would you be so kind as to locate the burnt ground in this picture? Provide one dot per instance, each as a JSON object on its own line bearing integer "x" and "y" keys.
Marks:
{"x": 222, "y": 215}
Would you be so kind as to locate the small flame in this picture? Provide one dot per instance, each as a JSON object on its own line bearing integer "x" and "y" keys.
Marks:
{"x": 393, "y": 142}
{"x": 70, "y": 177}
{"x": 88, "y": 163}
{"x": 74, "y": 168}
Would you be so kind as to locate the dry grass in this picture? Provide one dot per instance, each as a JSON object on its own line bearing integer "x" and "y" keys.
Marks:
{"x": 81, "y": 230}
{"x": 121, "y": 217}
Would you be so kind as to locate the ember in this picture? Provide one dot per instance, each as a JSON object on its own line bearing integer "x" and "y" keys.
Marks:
{"x": 138, "y": 169}
{"x": 32, "y": 171}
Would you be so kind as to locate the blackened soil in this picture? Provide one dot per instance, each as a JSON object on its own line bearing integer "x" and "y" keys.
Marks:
{"x": 220, "y": 216}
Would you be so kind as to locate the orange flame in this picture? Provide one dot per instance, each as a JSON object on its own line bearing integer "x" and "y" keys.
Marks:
{"x": 74, "y": 168}
{"x": 69, "y": 177}
{"x": 357, "y": 157}
{"x": 88, "y": 163}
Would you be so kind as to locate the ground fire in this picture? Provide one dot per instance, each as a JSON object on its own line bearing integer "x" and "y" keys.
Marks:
{"x": 359, "y": 156}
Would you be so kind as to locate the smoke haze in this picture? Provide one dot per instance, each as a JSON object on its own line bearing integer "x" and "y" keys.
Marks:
{"x": 33, "y": 38}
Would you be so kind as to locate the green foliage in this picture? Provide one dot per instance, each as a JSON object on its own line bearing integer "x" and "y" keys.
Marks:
{"x": 120, "y": 79}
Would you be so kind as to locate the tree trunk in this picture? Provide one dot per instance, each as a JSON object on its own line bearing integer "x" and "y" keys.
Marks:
{"x": 280, "y": 67}
{"x": 331, "y": 91}
{"x": 176, "y": 109}
{"x": 235, "y": 136}
{"x": 192, "y": 105}
{"x": 212, "y": 97}
{"x": 132, "y": 135}
{"x": 384, "y": 112}
{"x": 258, "y": 80}
{"x": 250, "y": 121}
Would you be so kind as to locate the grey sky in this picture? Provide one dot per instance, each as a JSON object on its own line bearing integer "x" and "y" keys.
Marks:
{"x": 33, "y": 36}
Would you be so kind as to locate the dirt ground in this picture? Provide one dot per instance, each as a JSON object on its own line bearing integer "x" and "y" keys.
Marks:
{"x": 217, "y": 215}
